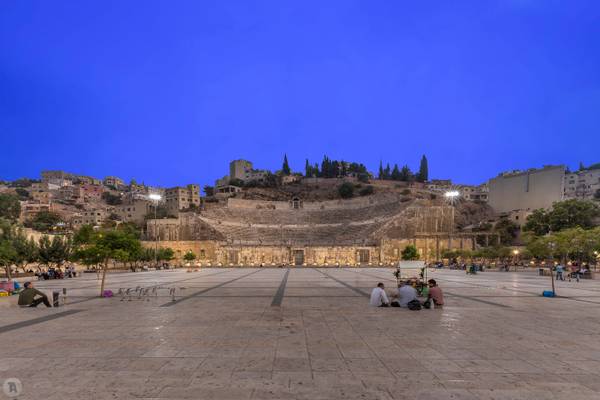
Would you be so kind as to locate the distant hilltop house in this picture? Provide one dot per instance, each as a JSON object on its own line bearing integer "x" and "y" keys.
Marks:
{"x": 239, "y": 171}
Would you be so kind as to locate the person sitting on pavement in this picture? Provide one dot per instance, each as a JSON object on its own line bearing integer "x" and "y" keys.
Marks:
{"x": 406, "y": 294}
{"x": 378, "y": 297}
{"x": 27, "y": 297}
{"x": 435, "y": 293}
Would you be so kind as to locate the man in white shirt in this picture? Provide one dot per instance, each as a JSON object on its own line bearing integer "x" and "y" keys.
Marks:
{"x": 406, "y": 294}
{"x": 378, "y": 297}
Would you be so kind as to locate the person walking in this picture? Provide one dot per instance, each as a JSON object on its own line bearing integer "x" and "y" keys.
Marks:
{"x": 559, "y": 272}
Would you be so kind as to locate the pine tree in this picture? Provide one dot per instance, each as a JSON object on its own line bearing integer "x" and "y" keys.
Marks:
{"x": 381, "y": 175}
{"x": 307, "y": 169}
{"x": 406, "y": 174}
{"x": 581, "y": 166}
{"x": 387, "y": 172}
{"x": 423, "y": 175}
{"x": 316, "y": 171}
{"x": 285, "y": 170}
{"x": 396, "y": 173}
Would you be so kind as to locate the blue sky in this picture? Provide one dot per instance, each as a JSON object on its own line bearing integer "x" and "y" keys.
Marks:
{"x": 169, "y": 92}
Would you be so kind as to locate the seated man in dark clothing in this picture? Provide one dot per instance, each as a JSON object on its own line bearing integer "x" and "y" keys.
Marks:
{"x": 27, "y": 296}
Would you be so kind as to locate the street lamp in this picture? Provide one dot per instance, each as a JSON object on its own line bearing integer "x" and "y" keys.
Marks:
{"x": 451, "y": 196}
{"x": 156, "y": 198}
{"x": 516, "y": 260}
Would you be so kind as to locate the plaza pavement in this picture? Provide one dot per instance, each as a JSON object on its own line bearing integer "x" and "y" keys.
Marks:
{"x": 304, "y": 333}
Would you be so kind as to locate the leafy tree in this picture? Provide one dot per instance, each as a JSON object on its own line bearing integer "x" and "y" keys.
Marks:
{"x": 236, "y": 182}
{"x": 363, "y": 177}
{"x": 507, "y": 230}
{"x": 165, "y": 254}
{"x": 423, "y": 174}
{"x": 209, "y": 190}
{"x": 410, "y": 252}
{"x": 8, "y": 254}
{"x": 189, "y": 256}
{"x": 23, "y": 182}
{"x": 103, "y": 246}
{"x": 44, "y": 221}
{"x": 54, "y": 251}
{"x": 23, "y": 194}
{"x": 10, "y": 208}
{"x": 285, "y": 169}
{"x": 112, "y": 199}
{"x": 537, "y": 222}
{"x": 27, "y": 251}
{"x": 346, "y": 190}
{"x": 573, "y": 213}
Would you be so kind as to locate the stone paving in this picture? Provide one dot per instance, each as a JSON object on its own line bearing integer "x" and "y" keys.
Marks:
{"x": 306, "y": 334}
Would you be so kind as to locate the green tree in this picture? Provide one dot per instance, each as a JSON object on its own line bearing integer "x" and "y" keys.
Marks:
{"x": 396, "y": 173}
{"x": 423, "y": 174}
{"x": 27, "y": 251}
{"x": 54, "y": 251}
{"x": 507, "y": 230}
{"x": 44, "y": 221}
{"x": 405, "y": 174}
{"x": 189, "y": 256}
{"x": 104, "y": 246}
{"x": 410, "y": 252}
{"x": 537, "y": 222}
{"x": 573, "y": 213}
{"x": 165, "y": 254}
{"x": 112, "y": 199}
{"x": 8, "y": 254}
{"x": 209, "y": 190}
{"x": 387, "y": 174}
{"x": 381, "y": 174}
{"x": 10, "y": 208}
{"x": 346, "y": 190}
{"x": 285, "y": 169}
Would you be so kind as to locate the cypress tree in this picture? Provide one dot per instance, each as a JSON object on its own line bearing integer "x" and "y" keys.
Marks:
{"x": 285, "y": 170}
{"x": 381, "y": 175}
{"x": 423, "y": 175}
{"x": 396, "y": 173}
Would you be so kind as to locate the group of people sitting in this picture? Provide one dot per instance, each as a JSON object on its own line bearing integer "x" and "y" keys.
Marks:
{"x": 57, "y": 273}
{"x": 406, "y": 295}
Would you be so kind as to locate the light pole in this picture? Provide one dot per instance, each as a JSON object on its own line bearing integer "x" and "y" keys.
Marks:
{"x": 516, "y": 259}
{"x": 156, "y": 198}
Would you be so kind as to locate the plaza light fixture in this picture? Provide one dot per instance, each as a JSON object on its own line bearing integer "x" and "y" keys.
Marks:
{"x": 516, "y": 252}
{"x": 156, "y": 198}
{"x": 451, "y": 194}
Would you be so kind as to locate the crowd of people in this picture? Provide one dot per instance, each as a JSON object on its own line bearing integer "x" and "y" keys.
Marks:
{"x": 56, "y": 273}
{"x": 574, "y": 271}
{"x": 406, "y": 296}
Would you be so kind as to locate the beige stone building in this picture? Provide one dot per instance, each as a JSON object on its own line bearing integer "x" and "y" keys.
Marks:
{"x": 182, "y": 198}
{"x": 94, "y": 217}
{"x": 134, "y": 211}
{"x": 527, "y": 190}
{"x": 582, "y": 184}
{"x": 115, "y": 182}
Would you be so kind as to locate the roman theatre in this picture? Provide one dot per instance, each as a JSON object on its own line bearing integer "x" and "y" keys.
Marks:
{"x": 370, "y": 230}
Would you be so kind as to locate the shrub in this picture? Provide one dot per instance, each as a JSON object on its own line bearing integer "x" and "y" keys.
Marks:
{"x": 346, "y": 190}
{"x": 367, "y": 190}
